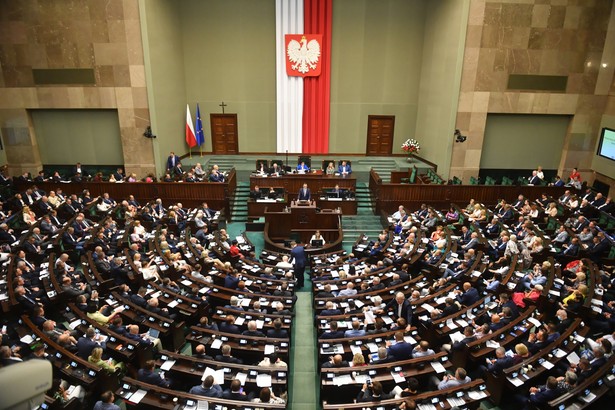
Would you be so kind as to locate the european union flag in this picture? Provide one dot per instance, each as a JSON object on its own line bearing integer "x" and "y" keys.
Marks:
{"x": 200, "y": 137}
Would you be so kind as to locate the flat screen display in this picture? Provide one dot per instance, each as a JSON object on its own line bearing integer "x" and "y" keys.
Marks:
{"x": 606, "y": 148}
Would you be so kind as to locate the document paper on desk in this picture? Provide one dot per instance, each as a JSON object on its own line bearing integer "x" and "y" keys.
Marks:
{"x": 242, "y": 377}
{"x": 218, "y": 375}
{"x": 342, "y": 380}
{"x": 437, "y": 366}
{"x": 515, "y": 382}
{"x": 216, "y": 344}
{"x": 356, "y": 350}
{"x": 137, "y": 396}
{"x": 263, "y": 380}
{"x": 166, "y": 366}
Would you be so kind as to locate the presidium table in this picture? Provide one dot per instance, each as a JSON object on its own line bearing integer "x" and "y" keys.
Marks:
{"x": 299, "y": 221}
{"x": 317, "y": 182}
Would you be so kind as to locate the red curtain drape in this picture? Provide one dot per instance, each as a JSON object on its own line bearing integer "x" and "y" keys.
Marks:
{"x": 316, "y": 90}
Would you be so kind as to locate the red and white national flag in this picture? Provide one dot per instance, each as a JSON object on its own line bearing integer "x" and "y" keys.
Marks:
{"x": 303, "y": 54}
{"x": 190, "y": 136}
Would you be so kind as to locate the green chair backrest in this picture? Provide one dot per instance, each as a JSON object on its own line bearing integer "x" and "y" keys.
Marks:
{"x": 412, "y": 179}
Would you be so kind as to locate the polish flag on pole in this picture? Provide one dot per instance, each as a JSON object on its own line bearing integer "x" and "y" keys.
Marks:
{"x": 190, "y": 137}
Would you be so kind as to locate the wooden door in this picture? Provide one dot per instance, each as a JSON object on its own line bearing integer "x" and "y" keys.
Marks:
{"x": 380, "y": 134}
{"x": 224, "y": 138}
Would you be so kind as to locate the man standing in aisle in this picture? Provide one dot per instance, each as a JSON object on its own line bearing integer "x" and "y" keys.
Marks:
{"x": 298, "y": 254}
{"x": 172, "y": 161}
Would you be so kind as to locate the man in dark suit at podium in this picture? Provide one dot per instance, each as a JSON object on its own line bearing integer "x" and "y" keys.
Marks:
{"x": 299, "y": 261}
{"x": 304, "y": 193}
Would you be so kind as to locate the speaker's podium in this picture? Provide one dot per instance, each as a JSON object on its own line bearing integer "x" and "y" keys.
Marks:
{"x": 299, "y": 221}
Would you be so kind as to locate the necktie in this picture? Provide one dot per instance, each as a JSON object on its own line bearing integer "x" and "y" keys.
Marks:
{"x": 399, "y": 310}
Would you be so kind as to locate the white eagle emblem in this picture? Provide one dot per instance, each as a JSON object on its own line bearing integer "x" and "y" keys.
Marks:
{"x": 304, "y": 55}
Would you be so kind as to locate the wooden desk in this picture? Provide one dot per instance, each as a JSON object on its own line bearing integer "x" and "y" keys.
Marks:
{"x": 303, "y": 221}
{"x": 257, "y": 208}
{"x": 293, "y": 182}
{"x": 282, "y": 224}
{"x": 162, "y": 398}
{"x": 188, "y": 193}
{"x": 348, "y": 206}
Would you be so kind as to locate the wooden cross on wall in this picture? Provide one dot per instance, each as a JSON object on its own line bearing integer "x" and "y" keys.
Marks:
{"x": 222, "y": 105}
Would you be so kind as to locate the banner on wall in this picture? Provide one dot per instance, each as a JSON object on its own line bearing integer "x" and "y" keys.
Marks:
{"x": 303, "y": 54}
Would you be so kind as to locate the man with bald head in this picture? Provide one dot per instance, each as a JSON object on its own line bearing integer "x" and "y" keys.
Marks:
{"x": 400, "y": 308}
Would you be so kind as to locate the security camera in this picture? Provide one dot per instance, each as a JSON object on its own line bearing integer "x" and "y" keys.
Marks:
{"x": 148, "y": 133}
{"x": 459, "y": 137}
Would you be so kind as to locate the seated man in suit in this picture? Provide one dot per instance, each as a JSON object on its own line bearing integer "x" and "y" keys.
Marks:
{"x": 401, "y": 350}
{"x": 344, "y": 168}
{"x": 333, "y": 332}
{"x": 226, "y": 356}
{"x": 148, "y": 374}
{"x": 236, "y": 392}
{"x": 540, "y": 396}
{"x": 276, "y": 170}
{"x": 304, "y": 193}
{"x": 216, "y": 175}
{"x": 253, "y": 330}
{"x": 87, "y": 343}
{"x": 500, "y": 363}
{"x": 256, "y": 193}
{"x": 277, "y": 331}
{"x": 337, "y": 192}
{"x": 335, "y": 361}
{"x": 468, "y": 296}
{"x": 373, "y": 392}
{"x": 208, "y": 388}
{"x": 302, "y": 167}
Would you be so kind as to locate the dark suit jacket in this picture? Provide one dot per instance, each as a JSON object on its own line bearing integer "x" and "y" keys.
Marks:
{"x": 500, "y": 365}
{"x": 544, "y": 396}
{"x": 170, "y": 164}
{"x": 341, "y": 170}
{"x": 406, "y": 310}
{"x": 235, "y": 396}
{"x": 330, "y": 312}
{"x": 228, "y": 359}
{"x": 85, "y": 347}
{"x": 152, "y": 378}
{"x": 469, "y": 297}
{"x": 229, "y": 328}
{"x": 401, "y": 351}
{"x": 332, "y": 335}
{"x": 277, "y": 334}
{"x": 304, "y": 196}
{"x": 298, "y": 256}
{"x": 138, "y": 300}
{"x": 463, "y": 342}
{"x": 365, "y": 396}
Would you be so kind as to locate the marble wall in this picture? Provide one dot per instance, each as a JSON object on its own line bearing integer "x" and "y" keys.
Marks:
{"x": 102, "y": 35}
{"x": 535, "y": 37}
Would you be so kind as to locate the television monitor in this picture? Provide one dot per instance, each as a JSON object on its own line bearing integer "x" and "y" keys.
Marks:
{"x": 318, "y": 243}
{"x": 606, "y": 147}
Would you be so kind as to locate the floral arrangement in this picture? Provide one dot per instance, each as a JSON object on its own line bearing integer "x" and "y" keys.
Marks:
{"x": 411, "y": 146}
